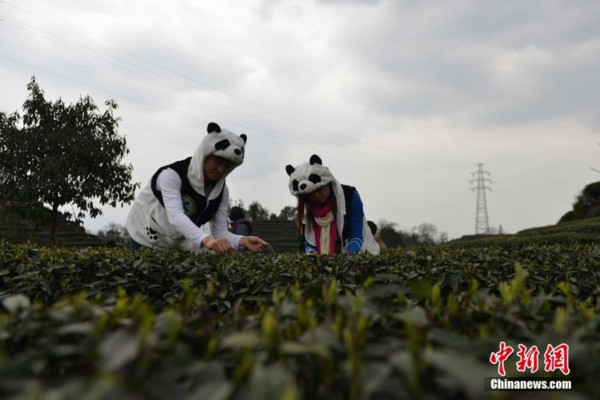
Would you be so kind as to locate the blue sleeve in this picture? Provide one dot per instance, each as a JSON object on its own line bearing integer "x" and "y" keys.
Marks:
{"x": 308, "y": 249}
{"x": 356, "y": 216}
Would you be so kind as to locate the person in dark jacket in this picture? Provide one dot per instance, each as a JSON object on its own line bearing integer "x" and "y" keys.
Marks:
{"x": 184, "y": 197}
{"x": 240, "y": 225}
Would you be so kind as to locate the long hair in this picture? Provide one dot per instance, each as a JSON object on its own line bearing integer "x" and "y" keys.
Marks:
{"x": 304, "y": 207}
{"x": 300, "y": 215}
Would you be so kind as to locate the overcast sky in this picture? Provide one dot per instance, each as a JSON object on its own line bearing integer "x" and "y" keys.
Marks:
{"x": 402, "y": 99}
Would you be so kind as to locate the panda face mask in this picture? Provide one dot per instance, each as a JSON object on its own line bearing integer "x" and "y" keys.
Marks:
{"x": 308, "y": 177}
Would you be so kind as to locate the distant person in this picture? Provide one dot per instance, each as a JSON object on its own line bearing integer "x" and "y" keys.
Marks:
{"x": 378, "y": 239}
{"x": 240, "y": 225}
{"x": 183, "y": 196}
{"x": 330, "y": 215}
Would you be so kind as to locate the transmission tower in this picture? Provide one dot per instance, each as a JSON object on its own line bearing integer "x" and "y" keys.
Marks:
{"x": 481, "y": 216}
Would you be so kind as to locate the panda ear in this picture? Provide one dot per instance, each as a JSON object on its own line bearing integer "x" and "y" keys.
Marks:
{"x": 315, "y": 159}
{"x": 289, "y": 169}
{"x": 244, "y": 137}
{"x": 213, "y": 127}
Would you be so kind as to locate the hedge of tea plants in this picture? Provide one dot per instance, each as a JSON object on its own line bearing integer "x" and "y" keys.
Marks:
{"x": 418, "y": 323}
{"x": 584, "y": 231}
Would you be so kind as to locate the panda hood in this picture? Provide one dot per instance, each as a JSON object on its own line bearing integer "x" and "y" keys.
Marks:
{"x": 221, "y": 143}
{"x": 308, "y": 177}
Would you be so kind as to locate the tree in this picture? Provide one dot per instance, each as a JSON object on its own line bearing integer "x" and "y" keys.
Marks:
{"x": 256, "y": 212}
{"x": 238, "y": 203}
{"x": 427, "y": 233}
{"x": 8, "y": 134}
{"x": 287, "y": 213}
{"x": 594, "y": 169}
{"x": 444, "y": 236}
{"x": 115, "y": 234}
{"x": 587, "y": 204}
{"x": 424, "y": 234}
{"x": 65, "y": 154}
{"x": 390, "y": 235}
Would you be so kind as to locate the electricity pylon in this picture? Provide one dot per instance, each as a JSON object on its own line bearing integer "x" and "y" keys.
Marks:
{"x": 481, "y": 215}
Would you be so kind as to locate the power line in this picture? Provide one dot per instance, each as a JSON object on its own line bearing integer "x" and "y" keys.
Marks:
{"x": 296, "y": 130}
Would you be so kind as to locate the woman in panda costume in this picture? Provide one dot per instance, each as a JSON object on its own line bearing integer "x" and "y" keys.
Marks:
{"x": 330, "y": 215}
{"x": 183, "y": 196}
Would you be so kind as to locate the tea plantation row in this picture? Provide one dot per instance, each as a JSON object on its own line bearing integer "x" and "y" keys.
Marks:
{"x": 420, "y": 323}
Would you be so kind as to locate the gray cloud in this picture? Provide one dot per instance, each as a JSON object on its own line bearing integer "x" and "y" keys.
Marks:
{"x": 402, "y": 98}
{"x": 514, "y": 61}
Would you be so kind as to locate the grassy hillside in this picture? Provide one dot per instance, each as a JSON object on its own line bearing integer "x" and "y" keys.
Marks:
{"x": 580, "y": 231}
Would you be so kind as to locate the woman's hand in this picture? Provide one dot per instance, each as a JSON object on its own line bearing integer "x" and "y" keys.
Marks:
{"x": 253, "y": 243}
{"x": 220, "y": 245}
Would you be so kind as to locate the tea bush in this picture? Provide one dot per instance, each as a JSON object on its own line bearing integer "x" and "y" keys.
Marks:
{"x": 411, "y": 323}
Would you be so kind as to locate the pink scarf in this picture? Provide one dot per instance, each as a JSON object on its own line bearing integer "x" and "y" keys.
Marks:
{"x": 324, "y": 212}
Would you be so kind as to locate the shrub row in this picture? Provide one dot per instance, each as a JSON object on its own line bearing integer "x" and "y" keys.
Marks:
{"x": 411, "y": 323}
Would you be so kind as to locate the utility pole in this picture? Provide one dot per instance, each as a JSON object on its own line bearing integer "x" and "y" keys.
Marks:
{"x": 481, "y": 215}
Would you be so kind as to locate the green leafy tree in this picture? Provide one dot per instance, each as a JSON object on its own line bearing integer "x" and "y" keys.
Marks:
{"x": 256, "y": 212}
{"x": 587, "y": 204}
{"x": 391, "y": 237}
{"x": 115, "y": 234}
{"x": 60, "y": 154}
{"x": 427, "y": 233}
{"x": 394, "y": 237}
{"x": 388, "y": 233}
{"x": 238, "y": 203}
{"x": 287, "y": 213}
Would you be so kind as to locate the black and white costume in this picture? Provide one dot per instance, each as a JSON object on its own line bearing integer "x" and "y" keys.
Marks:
{"x": 177, "y": 202}
{"x": 354, "y": 234}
